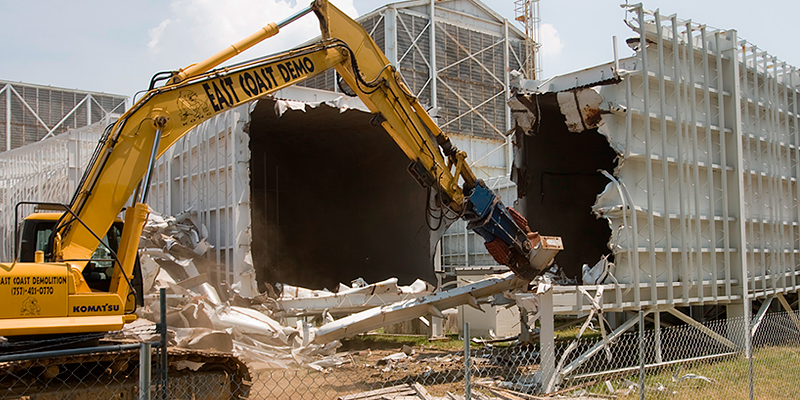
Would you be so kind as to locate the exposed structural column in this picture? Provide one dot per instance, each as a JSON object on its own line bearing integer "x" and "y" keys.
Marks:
{"x": 89, "y": 99}
{"x": 8, "y": 116}
{"x": 437, "y": 323}
{"x": 506, "y": 82}
{"x": 739, "y": 236}
{"x": 547, "y": 342}
{"x": 390, "y": 34}
{"x": 433, "y": 72}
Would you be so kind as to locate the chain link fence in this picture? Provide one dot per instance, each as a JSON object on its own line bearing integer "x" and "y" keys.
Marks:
{"x": 706, "y": 361}
{"x": 100, "y": 372}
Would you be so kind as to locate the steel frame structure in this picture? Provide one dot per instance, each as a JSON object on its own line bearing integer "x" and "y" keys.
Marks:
{"x": 30, "y": 113}
{"x": 527, "y": 13}
{"x": 704, "y": 205}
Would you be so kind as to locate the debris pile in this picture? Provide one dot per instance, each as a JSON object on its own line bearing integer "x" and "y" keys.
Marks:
{"x": 202, "y": 313}
{"x": 172, "y": 253}
{"x": 359, "y": 296}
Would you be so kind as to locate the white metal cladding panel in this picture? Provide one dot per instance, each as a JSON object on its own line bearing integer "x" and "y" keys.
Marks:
{"x": 206, "y": 175}
{"x": 709, "y": 161}
{"x": 46, "y": 171}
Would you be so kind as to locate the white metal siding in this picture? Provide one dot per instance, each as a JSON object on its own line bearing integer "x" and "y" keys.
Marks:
{"x": 46, "y": 171}
{"x": 206, "y": 174}
{"x": 709, "y": 162}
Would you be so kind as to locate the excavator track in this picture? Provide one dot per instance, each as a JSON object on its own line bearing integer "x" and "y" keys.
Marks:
{"x": 192, "y": 374}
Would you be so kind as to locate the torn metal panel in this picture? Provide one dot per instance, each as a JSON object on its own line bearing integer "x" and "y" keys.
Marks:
{"x": 295, "y": 301}
{"x": 410, "y": 309}
{"x": 696, "y": 211}
{"x": 558, "y": 155}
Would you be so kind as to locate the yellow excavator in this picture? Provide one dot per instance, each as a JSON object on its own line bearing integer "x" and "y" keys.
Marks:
{"x": 56, "y": 293}
{"x": 74, "y": 268}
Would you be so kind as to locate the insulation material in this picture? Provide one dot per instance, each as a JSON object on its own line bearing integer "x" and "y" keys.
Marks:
{"x": 697, "y": 139}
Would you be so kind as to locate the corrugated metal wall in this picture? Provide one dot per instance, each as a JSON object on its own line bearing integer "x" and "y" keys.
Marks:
{"x": 44, "y": 171}
{"x": 205, "y": 174}
{"x": 29, "y": 113}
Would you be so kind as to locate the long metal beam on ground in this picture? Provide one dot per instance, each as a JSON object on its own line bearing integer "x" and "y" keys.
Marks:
{"x": 377, "y": 317}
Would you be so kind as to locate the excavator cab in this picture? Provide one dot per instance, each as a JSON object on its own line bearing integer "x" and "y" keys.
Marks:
{"x": 35, "y": 232}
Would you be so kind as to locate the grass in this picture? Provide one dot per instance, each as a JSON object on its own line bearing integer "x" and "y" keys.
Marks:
{"x": 775, "y": 371}
{"x": 572, "y": 332}
{"x": 379, "y": 340}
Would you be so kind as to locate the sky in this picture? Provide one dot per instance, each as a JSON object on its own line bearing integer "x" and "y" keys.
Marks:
{"x": 115, "y": 47}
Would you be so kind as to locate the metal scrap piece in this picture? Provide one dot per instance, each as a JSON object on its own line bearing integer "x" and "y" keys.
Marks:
{"x": 407, "y": 310}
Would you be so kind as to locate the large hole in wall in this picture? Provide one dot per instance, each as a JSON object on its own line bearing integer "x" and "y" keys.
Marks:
{"x": 559, "y": 182}
{"x": 332, "y": 201}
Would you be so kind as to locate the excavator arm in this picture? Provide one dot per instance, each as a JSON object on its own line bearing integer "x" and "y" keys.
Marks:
{"x": 123, "y": 162}
{"x": 435, "y": 161}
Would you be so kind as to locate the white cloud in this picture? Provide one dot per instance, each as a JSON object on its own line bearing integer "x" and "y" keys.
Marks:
{"x": 551, "y": 42}
{"x": 155, "y": 35}
{"x": 201, "y": 28}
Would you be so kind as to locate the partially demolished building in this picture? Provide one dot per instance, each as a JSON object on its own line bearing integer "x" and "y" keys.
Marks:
{"x": 322, "y": 194}
{"x": 696, "y": 141}
{"x": 676, "y": 168}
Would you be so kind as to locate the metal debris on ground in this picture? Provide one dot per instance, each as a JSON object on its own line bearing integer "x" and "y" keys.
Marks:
{"x": 406, "y": 310}
{"x": 202, "y": 313}
{"x": 408, "y": 391}
{"x": 359, "y": 296}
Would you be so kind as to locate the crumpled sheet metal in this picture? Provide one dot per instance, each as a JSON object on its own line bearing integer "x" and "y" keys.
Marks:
{"x": 581, "y": 109}
{"x": 377, "y": 317}
{"x": 201, "y": 318}
{"x": 301, "y": 301}
{"x": 342, "y": 103}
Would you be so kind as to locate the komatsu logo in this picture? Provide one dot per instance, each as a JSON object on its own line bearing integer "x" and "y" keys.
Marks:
{"x": 95, "y": 308}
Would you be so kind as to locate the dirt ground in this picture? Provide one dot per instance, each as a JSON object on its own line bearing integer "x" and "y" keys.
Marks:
{"x": 438, "y": 370}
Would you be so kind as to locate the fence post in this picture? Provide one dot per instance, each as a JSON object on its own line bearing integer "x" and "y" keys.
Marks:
{"x": 749, "y": 336}
{"x": 547, "y": 342}
{"x": 641, "y": 354}
{"x": 144, "y": 371}
{"x": 467, "y": 389}
{"x": 162, "y": 327}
